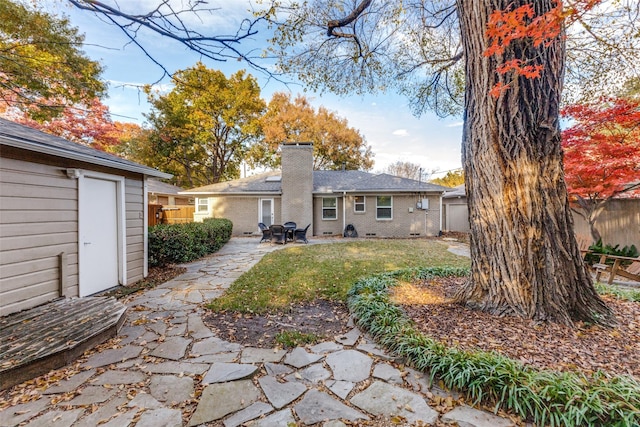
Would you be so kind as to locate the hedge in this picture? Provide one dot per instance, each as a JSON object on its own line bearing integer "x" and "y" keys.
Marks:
{"x": 545, "y": 397}
{"x": 178, "y": 243}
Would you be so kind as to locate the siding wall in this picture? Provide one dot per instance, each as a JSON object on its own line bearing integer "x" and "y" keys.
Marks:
{"x": 134, "y": 201}
{"x": 39, "y": 222}
{"x": 404, "y": 223}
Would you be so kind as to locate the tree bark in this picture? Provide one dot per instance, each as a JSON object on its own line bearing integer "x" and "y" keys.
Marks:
{"x": 524, "y": 257}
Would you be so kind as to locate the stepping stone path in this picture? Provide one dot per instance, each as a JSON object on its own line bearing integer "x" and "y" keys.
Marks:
{"x": 167, "y": 368}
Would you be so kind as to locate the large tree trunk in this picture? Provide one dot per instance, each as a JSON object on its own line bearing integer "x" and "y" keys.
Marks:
{"x": 524, "y": 257}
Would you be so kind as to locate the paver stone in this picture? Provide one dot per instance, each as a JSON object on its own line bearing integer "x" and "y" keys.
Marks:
{"x": 466, "y": 416}
{"x": 223, "y": 372}
{"x": 251, "y": 413}
{"x": 389, "y": 400}
{"x": 349, "y": 365}
{"x": 280, "y": 394}
{"x": 169, "y": 388}
{"x": 163, "y": 417}
{"x": 56, "y": 419}
{"x": 172, "y": 348}
{"x": 317, "y": 406}
{"x": 219, "y": 400}
{"x": 280, "y": 418}
{"x": 299, "y": 357}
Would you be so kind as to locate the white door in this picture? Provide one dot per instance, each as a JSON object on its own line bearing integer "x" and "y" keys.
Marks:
{"x": 98, "y": 235}
{"x": 266, "y": 211}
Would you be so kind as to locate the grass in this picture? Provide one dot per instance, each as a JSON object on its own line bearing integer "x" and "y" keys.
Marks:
{"x": 306, "y": 273}
{"x": 292, "y": 339}
{"x": 619, "y": 292}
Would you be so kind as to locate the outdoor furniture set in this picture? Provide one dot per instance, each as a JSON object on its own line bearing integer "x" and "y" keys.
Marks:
{"x": 282, "y": 234}
{"x": 622, "y": 266}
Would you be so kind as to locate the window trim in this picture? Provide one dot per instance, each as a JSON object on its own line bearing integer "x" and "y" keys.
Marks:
{"x": 378, "y": 207}
{"x": 356, "y": 203}
{"x": 334, "y": 208}
{"x": 199, "y": 205}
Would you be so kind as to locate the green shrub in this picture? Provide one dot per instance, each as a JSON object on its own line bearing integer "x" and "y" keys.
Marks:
{"x": 599, "y": 248}
{"x": 546, "y": 397}
{"x": 178, "y": 243}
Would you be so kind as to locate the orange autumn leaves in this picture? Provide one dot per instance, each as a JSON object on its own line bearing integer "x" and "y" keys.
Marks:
{"x": 522, "y": 23}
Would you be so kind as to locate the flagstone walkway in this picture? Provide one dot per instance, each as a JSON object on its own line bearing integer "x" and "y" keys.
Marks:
{"x": 167, "y": 368}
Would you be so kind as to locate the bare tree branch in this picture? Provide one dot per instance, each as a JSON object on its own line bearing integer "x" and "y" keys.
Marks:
{"x": 339, "y": 23}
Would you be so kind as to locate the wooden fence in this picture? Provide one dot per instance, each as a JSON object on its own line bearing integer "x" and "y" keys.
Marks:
{"x": 618, "y": 223}
{"x": 159, "y": 214}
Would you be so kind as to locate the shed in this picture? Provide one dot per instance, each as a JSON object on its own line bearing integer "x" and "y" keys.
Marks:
{"x": 73, "y": 219}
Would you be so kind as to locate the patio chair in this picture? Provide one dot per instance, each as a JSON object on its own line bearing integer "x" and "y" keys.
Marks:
{"x": 301, "y": 234}
{"x": 266, "y": 233}
{"x": 290, "y": 227}
{"x": 631, "y": 271}
{"x": 278, "y": 234}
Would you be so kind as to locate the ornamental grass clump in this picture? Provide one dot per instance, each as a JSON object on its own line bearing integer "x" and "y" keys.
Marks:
{"x": 545, "y": 397}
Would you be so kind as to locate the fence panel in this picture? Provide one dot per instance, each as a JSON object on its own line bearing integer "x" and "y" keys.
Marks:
{"x": 177, "y": 214}
{"x": 619, "y": 223}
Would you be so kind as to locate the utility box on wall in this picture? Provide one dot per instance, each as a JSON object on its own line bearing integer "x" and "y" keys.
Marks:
{"x": 423, "y": 204}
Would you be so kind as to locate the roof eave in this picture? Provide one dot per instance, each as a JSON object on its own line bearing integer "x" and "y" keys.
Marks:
{"x": 58, "y": 152}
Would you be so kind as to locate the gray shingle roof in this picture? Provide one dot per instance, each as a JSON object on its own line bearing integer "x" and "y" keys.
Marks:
{"x": 455, "y": 192}
{"x": 158, "y": 187}
{"x": 252, "y": 184}
{"x": 20, "y": 136}
{"x": 324, "y": 182}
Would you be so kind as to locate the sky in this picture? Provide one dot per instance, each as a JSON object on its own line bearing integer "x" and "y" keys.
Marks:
{"x": 385, "y": 120}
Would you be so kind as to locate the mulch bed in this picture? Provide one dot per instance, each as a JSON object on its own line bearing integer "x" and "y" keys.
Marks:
{"x": 549, "y": 346}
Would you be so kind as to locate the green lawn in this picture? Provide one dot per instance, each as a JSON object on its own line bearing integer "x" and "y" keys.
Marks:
{"x": 302, "y": 273}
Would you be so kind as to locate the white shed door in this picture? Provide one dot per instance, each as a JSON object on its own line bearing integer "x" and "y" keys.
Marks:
{"x": 98, "y": 236}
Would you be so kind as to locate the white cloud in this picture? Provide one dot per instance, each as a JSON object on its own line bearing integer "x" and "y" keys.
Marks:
{"x": 454, "y": 125}
{"x": 401, "y": 132}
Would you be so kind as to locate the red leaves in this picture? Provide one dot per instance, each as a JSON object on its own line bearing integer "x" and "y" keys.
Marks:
{"x": 602, "y": 148}
{"x": 521, "y": 23}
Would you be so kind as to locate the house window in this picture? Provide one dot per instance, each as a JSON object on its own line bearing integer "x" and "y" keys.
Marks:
{"x": 202, "y": 204}
{"x": 329, "y": 208}
{"x": 358, "y": 204}
{"x": 384, "y": 207}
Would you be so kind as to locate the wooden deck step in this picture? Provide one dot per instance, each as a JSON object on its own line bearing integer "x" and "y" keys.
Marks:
{"x": 34, "y": 341}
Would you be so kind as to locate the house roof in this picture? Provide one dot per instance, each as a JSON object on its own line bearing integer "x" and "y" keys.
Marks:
{"x": 20, "y": 136}
{"x": 324, "y": 182}
{"x": 155, "y": 186}
{"x": 454, "y": 192}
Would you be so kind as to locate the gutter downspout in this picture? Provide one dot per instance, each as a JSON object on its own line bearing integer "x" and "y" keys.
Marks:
{"x": 344, "y": 211}
{"x": 442, "y": 194}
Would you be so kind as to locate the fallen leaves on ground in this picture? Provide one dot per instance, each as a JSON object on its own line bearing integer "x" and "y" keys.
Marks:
{"x": 549, "y": 346}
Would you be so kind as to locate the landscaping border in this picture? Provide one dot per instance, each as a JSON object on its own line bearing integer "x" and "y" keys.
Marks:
{"x": 544, "y": 397}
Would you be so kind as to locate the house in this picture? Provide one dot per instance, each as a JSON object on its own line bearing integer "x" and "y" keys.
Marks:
{"x": 456, "y": 213}
{"x": 161, "y": 193}
{"x": 376, "y": 205}
{"x": 73, "y": 219}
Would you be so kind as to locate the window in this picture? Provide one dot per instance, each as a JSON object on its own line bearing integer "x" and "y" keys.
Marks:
{"x": 384, "y": 207}
{"x": 202, "y": 204}
{"x": 358, "y": 204}
{"x": 329, "y": 208}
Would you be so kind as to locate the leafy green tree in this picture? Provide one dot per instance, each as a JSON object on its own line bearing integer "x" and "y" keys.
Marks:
{"x": 335, "y": 144}
{"x": 204, "y": 126}
{"x": 42, "y": 67}
{"x": 451, "y": 179}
